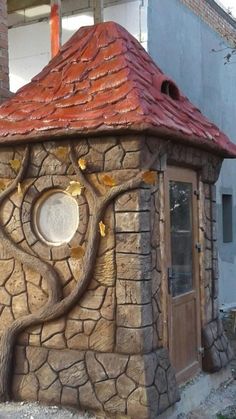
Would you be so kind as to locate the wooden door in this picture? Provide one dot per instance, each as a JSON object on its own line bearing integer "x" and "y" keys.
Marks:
{"x": 183, "y": 272}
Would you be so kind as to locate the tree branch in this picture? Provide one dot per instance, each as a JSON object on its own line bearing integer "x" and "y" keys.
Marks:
{"x": 54, "y": 308}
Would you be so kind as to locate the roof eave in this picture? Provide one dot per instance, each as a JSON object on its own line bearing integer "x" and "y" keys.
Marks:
{"x": 160, "y": 132}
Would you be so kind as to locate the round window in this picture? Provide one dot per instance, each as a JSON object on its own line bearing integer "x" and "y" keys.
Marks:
{"x": 56, "y": 217}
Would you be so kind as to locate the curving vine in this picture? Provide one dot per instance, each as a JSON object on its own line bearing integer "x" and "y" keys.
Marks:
{"x": 55, "y": 306}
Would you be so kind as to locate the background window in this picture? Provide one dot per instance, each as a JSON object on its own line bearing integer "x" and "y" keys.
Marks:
{"x": 227, "y": 213}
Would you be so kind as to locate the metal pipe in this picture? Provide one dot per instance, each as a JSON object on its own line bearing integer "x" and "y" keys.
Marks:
{"x": 55, "y": 26}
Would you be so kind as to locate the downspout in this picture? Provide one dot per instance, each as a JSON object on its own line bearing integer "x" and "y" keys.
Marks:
{"x": 55, "y": 26}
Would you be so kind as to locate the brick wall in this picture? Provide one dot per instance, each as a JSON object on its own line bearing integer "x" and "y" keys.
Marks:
{"x": 215, "y": 17}
{"x": 4, "y": 73}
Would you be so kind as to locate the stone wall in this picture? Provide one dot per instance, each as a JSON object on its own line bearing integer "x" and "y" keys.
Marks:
{"x": 107, "y": 352}
{"x": 116, "y": 383}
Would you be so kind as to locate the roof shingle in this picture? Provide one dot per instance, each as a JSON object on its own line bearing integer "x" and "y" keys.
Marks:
{"x": 103, "y": 80}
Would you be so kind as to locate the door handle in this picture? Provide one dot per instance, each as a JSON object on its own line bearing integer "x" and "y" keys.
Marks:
{"x": 170, "y": 276}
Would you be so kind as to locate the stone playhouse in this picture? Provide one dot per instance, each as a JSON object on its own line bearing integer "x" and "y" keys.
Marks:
{"x": 108, "y": 254}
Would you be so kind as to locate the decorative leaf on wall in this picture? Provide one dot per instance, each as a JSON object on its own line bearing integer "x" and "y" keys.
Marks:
{"x": 15, "y": 164}
{"x": 149, "y": 177}
{"x": 2, "y": 185}
{"x": 108, "y": 180}
{"x": 82, "y": 164}
{"x": 102, "y": 229}
{"x": 77, "y": 252}
{"x": 74, "y": 188}
{"x": 61, "y": 153}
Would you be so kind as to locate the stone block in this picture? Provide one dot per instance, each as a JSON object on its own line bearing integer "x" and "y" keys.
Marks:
{"x": 132, "y": 143}
{"x": 51, "y": 328}
{"x": 36, "y": 357}
{"x": 60, "y": 360}
{"x": 36, "y": 297}
{"x": 95, "y": 369}
{"x": 19, "y": 305}
{"x": 124, "y": 386}
{"x": 79, "y": 341}
{"x": 74, "y": 376}
{"x": 87, "y": 397}
{"x": 113, "y": 158}
{"x": 102, "y": 338}
{"x": 115, "y": 404}
{"x": 6, "y": 268}
{"x": 163, "y": 358}
{"x": 69, "y": 396}
{"x": 25, "y": 387}
{"x": 163, "y": 403}
{"x": 137, "y": 402}
{"x": 114, "y": 364}
{"x": 130, "y": 340}
{"x": 46, "y": 376}
{"x": 131, "y": 160}
{"x": 16, "y": 283}
{"x": 138, "y": 200}
{"x": 161, "y": 380}
{"x": 5, "y": 298}
{"x": 132, "y": 222}
{"x": 133, "y": 267}
{"x": 134, "y": 315}
{"x": 73, "y": 327}
{"x": 141, "y": 369}
{"x": 93, "y": 299}
{"x": 133, "y": 292}
{"x": 51, "y": 395}
{"x": 133, "y": 243}
{"x": 173, "y": 390}
{"x": 105, "y": 390}
{"x": 57, "y": 341}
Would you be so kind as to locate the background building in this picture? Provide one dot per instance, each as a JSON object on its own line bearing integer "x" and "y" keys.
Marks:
{"x": 180, "y": 35}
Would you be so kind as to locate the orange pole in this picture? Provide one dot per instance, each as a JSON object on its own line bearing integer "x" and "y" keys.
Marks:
{"x": 55, "y": 26}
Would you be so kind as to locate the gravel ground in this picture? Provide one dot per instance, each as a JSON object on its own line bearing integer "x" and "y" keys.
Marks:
{"x": 220, "y": 402}
{"x": 25, "y": 410}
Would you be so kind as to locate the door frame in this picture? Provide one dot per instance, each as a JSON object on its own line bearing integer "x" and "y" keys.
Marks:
{"x": 182, "y": 174}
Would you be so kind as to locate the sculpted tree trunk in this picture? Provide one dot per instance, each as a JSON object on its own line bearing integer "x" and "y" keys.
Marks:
{"x": 56, "y": 306}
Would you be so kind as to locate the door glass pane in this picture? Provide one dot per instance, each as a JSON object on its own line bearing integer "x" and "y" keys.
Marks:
{"x": 181, "y": 237}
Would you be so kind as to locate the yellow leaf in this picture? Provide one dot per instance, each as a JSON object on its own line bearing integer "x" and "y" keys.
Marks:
{"x": 102, "y": 229}
{"x": 77, "y": 252}
{"x": 149, "y": 177}
{"x": 74, "y": 188}
{"x": 108, "y": 180}
{"x": 61, "y": 153}
{"x": 82, "y": 164}
{"x": 15, "y": 164}
{"x": 2, "y": 185}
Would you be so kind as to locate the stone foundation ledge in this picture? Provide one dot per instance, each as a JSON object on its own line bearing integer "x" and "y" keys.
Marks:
{"x": 132, "y": 385}
{"x": 218, "y": 352}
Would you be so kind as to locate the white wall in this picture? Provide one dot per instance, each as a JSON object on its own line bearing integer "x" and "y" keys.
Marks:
{"x": 29, "y": 44}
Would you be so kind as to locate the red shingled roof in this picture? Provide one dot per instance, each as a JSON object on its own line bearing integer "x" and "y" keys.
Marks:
{"x": 101, "y": 81}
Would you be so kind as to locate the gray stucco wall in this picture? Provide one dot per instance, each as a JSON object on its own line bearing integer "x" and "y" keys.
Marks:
{"x": 181, "y": 43}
